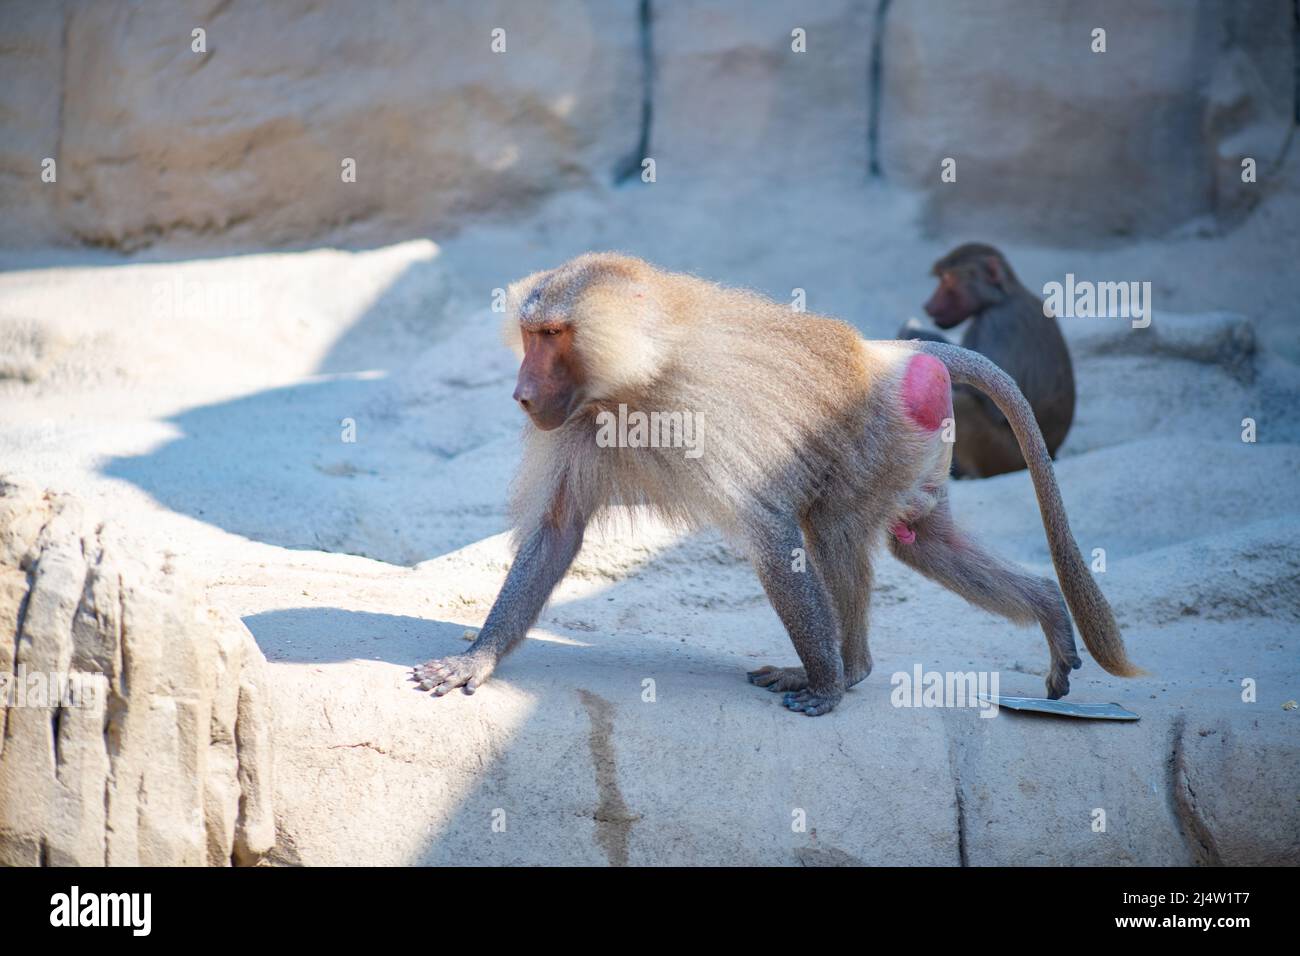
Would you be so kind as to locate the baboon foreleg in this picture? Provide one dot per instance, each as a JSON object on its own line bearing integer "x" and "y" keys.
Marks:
{"x": 801, "y": 601}
{"x": 542, "y": 560}
{"x": 943, "y": 554}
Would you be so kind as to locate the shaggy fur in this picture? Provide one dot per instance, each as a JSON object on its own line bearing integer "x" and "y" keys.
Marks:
{"x": 810, "y": 438}
{"x": 783, "y": 400}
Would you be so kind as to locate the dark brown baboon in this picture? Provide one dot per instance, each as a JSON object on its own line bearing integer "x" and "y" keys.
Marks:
{"x": 1006, "y": 323}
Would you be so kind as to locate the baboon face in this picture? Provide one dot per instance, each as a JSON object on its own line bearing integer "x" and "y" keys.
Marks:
{"x": 971, "y": 278}
{"x": 954, "y": 300}
{"x": 549, "y": 387}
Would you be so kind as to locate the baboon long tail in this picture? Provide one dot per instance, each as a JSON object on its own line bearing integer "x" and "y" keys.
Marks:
{"x": 1092, "y": 615}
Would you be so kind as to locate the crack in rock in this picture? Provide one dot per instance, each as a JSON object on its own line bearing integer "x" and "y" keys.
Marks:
{"x": 613, "y": 818}
{"x": 1182, "y": 798}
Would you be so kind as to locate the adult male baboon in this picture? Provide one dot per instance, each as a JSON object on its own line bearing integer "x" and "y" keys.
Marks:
{"x": 809, "y": 438}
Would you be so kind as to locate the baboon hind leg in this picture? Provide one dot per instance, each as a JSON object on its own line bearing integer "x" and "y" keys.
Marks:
{"x": 842, "y": 559}
{"x": 944, "y": 554}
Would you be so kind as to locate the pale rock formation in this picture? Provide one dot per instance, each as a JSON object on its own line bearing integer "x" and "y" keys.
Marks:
{"x": 245, "y": 141}
{"x": 135, "y": 716}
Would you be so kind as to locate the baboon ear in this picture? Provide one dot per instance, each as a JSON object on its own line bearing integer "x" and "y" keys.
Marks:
{"x": 993, "y": 269}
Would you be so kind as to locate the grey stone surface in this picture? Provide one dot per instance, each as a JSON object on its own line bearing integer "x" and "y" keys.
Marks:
{"x": 562, "y": 747}
{"x": 243, "y": 143}
{"x": 734, "y": 103}
{"x": 1055, "y": 141}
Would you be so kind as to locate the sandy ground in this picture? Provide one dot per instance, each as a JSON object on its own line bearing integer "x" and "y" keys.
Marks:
{"x": 202, "y": 402}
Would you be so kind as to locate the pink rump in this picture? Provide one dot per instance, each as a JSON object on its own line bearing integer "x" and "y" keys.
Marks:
{"x": 927, "y": 391}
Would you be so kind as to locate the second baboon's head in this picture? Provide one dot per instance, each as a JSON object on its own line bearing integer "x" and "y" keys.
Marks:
{"x": 971, "y": 278}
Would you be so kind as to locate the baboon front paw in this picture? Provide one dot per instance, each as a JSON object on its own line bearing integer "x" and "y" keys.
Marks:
{"x": 779, "y": 678}
{"x": 811, "y": 703}
{"x": 443, "y": 674}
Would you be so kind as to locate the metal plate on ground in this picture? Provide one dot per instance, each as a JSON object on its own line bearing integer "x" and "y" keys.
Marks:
{"x": 1061, "y": 708}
